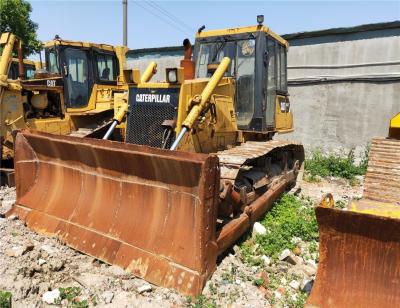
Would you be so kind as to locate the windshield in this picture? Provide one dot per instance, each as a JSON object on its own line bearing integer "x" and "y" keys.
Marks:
{"x": 106, "y": 67}
{"x": 52, "y": 63}
{"x": 242, "y": 54}
{"x": 213, "y": 53}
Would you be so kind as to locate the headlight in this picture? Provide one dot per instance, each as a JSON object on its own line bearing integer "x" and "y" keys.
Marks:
{"x": 172, "y": 75}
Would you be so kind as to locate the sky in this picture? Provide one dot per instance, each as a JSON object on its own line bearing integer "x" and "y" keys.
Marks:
{"x": 167, "y": 23}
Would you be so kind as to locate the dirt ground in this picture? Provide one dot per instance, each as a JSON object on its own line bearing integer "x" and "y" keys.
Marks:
{"x": 31, "y": 266}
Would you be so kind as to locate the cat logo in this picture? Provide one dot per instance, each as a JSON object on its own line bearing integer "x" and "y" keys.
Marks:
{"x": 153, "y": 98}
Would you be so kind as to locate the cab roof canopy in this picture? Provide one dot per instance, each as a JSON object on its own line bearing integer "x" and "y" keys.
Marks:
{"x": 249, "y": 29}
{"x": 59, "y": 42}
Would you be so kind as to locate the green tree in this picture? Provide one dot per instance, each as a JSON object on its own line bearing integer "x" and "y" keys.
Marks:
{"x": 15, "y": 18}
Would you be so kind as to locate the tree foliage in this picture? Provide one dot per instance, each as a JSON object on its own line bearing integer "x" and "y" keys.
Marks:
{"x": 15, "y": 18}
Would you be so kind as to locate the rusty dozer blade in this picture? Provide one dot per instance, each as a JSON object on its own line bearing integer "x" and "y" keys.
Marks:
{"x": 150, "y": 211}
{"x": 359, "y": 256}
{"x": 360, "y": 246}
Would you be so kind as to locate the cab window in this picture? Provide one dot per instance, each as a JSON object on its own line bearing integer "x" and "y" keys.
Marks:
{"x": 213, "y": 53}
{"x": 77, "y": 90}
{"x": 281, "y": 67}
{"x": 13, "y": 71}
{"x": 29, "y": 71}
{"x": 52, "y": 63}
{"x": 245, "y": 55}
{"x": 106, "y": 67}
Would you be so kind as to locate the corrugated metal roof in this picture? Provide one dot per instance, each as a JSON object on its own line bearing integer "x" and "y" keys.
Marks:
{"x": 347, "y": 30}
{"x": 176, "y": 50}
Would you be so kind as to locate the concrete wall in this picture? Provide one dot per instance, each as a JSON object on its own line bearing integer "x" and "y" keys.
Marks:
{"x": 344, "y": 88}
{"x": 163, "y": 62}
{"x": 344, "y": 85}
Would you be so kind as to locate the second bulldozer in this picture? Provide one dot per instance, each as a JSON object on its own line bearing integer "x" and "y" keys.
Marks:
{"x": 75, "y": 95}
{"x": 198, "y": 166}
{"x": 75, "y": 92}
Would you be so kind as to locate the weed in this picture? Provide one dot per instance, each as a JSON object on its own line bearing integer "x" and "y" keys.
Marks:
{"x": 342, "y": 166}
{"x": 228, "y": 276}
{"x": 212, "y": 288}
{"x": 79, "y": 304}
{"x": 297, "y": 302}
{"x": 313, "y": 247}
{"x": 71, "y": 295}
{"x": 94, "y": 299}
{"x": 340, "y": 204}
{"x": 5, "y": 299}
{"x": 201, "y": 302}
{"x": 273, "y": 282}
{"x": 290, "y": 217}
{"x": 258, "y": 282}
{"x": 233, "y": 296}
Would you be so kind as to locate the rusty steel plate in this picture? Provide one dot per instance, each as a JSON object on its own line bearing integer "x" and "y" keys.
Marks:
{"x": 382, "y": 181}
{"x": 359, "y": 260}
{"x": 149, "y": 211}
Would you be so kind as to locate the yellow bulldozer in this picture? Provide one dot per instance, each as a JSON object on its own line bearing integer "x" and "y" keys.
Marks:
{"x": 197, "y": 167}
{"x": 29, "y": 68}
{"x": 75, "y": 95}
{"x": 360, "y": 246}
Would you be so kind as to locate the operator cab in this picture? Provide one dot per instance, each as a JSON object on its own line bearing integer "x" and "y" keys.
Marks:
{"x": 29, "y": 69}
{"x": 81, "y": 66}
{"x": 258, "y": 66}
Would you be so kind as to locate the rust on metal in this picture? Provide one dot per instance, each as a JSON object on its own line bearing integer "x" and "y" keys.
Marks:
{"x": 382, "y": 181}
{"x": 150, "y": 214}
{"x": 153, "y": 212}
{"x": 358, "y": 260}
{"x": 233, "y": 159}
{"x": 360, "y": 246}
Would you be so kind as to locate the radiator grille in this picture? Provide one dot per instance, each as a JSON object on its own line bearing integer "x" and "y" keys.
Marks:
{"x": 144, "y": 125}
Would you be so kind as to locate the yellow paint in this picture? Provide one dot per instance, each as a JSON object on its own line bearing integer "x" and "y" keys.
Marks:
{"x": 120, "y": 99}
{"x": 376, "y": 208}
{"x": 395, "y": 121}
{"x": 198, "y": 105}
{"x": 7, "y": 41}
{"x": 149, "y": 72}
{"x": 211, "y": 134}
{"x": 283, "y": 115}
{"x": 250, "y": 29}
{"x": 120, "y": 52}
{"x": 37, "y": 64}
{"x": 53, "y": 43}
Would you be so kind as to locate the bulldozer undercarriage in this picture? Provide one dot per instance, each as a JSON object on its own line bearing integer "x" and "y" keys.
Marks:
{"x": 360, "y": 246}
{"x": 162, "y": 215}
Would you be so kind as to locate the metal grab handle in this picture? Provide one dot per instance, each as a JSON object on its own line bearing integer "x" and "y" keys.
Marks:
{"x": 12, "y": 122}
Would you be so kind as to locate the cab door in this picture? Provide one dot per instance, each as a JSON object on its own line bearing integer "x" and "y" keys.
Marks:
{"x": 78, "y": 81}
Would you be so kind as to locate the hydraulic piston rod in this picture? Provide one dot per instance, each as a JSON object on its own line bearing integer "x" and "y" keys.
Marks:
{"x": 202, "y": 100}
{"x": 117, "y": 120}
